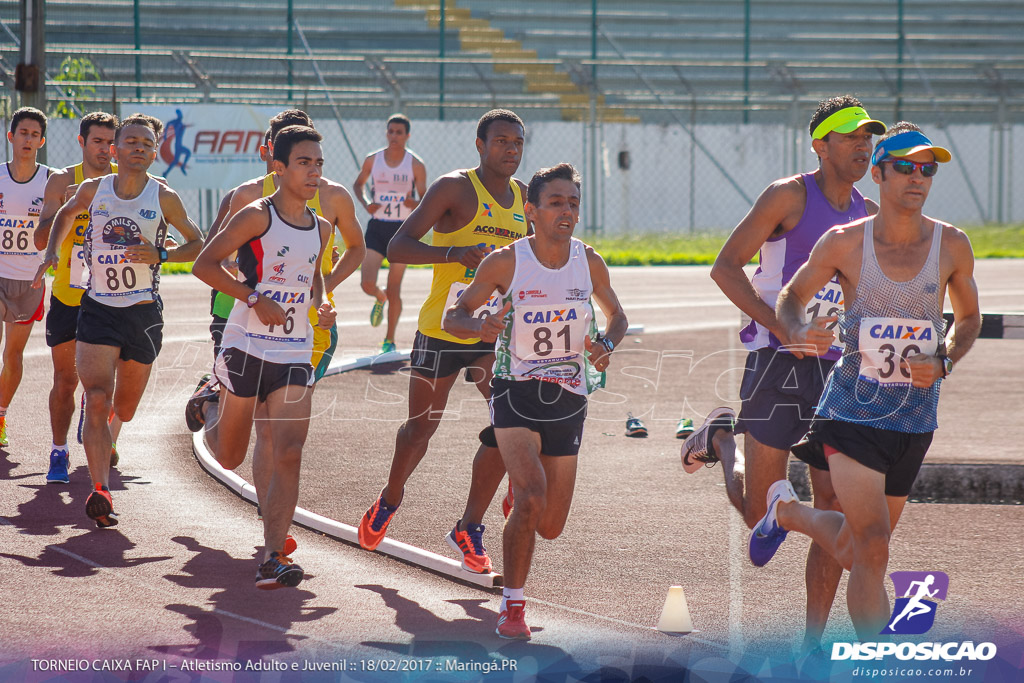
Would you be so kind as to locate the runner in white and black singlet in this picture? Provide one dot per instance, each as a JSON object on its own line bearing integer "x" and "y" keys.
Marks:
{"x": 268, "y": 339}
{"x": 120, "y": 321}
{"x": 895, "y": 270}
{"x": 548, "y": 358}
{"x": 22, "y": 186}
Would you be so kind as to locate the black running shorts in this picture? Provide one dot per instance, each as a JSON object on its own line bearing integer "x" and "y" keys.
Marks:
{"x": 547, "y": 408}
{"x": 779, "y": 393}
{"x": 137, "y": 330}
{"x": 435, "y": 358}
{"x": 61, "y": 322}
{"x": 379, "y": 233}
{"x": 897, "y": 455}
{"x": 247, "y": 376}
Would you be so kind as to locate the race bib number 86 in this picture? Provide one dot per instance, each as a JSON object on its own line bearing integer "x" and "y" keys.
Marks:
{"x": 885, "y": 341}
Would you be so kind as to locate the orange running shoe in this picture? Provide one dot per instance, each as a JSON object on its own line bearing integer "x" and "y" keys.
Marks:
{"x": 374, "y": 523}
{"x": 512, "y": 621}
{"x": 100, "y": 507}
{"x": 471, "y": 544}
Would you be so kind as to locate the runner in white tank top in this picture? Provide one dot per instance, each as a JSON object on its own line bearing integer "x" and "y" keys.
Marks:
{"x": 265, "y": 362}
{"x": 120, "y": 324}
{"x": 549, "y": 356}
{"x": 22, "y": 185}
{"x": 397, "y": 173}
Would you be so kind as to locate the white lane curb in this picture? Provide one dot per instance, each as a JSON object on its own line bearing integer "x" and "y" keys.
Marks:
{"x": 329, "y": 527}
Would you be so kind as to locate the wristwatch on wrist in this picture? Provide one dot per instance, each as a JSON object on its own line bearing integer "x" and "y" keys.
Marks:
{"x": 162, "y": 253}
{"x": 608, "y": 344}
{"x": 251, "y": 300}
{"x": 947, "y": 366}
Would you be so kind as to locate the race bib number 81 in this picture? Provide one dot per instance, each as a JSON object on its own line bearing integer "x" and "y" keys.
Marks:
{"x": 885, "y": 341}
{"x": 548, "y": 334}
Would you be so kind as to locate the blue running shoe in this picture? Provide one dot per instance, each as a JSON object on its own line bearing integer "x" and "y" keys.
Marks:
{"x": 768, "y": 535}
{"x": 59, "y": 462}
{"x": 388, "y": 346}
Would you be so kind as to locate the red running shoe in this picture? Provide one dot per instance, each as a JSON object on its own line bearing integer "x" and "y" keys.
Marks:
{"x": 512, "y": 621}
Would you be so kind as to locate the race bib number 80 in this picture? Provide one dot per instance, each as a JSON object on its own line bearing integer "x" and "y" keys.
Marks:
{"x": 113, "y": 276}
{"x": 885, "y": 341}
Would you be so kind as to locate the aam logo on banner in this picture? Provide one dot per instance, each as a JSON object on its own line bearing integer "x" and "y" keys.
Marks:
{"x": 917, "y": 596}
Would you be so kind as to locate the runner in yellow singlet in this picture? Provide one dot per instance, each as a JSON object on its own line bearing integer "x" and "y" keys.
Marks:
{"x": 95, "y": 136}
{"x": 472, "y": 212}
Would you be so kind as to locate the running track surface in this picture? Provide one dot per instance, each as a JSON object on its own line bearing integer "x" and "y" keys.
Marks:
{"x": 174, "y": 581}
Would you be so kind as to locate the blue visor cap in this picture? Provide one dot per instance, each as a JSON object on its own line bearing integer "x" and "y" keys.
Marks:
{"x": 905, "y": 144}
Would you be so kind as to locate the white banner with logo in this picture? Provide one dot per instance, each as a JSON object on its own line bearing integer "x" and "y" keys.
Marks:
{"x": 210, "y": 146}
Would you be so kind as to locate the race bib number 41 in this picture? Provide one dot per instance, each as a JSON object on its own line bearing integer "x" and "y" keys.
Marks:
{"x": 296, "y": 311}
{"x": 885, "y": 341}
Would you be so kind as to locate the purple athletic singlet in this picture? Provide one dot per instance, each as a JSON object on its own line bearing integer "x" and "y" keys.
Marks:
{"x": 780, "y": 257}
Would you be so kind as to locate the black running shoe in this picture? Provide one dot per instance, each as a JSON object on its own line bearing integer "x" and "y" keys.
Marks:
{"x": 278, "y": 572}
{"x": 207, "y": 389}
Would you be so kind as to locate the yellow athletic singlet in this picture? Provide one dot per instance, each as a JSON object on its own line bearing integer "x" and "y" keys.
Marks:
{"x": 70, "y": 261}
{"x": 494, "y": 226}
{"x": 324, "y": 341}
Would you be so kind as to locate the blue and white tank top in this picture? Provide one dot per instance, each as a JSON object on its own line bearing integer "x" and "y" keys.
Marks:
{"x": 114, "y": 225}
{"x": 550, "y": 316}
{"x": 279, "y": 264}
{"x": 780, "y": 257}
{"x": 887, "y": 321}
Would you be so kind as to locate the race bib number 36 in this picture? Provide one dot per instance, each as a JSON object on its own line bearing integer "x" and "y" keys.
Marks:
{"x": 113, "y": 276}
{"x": 885, "y": 341}
{"x": 296, "y": 311}
{"x": 489, "y": 308}
{"x": 549, "y": 334}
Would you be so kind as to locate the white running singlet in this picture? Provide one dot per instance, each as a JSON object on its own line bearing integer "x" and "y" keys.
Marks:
{"x": 114, "y": 225}
{"x": 20, "y": 205}
{"x": 391, "y": 186}
{"x": 550, "y": 316}
{"x": 279, "y": 264}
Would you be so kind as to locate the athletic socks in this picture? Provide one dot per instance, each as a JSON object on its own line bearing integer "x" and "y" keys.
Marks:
{"x": 3, "y": 411}
{"x": 55, "y": 447}
{"x": 510, "y": 594}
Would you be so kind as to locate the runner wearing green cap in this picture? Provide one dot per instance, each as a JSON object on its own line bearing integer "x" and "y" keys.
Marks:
{"x": 779, "y": 390}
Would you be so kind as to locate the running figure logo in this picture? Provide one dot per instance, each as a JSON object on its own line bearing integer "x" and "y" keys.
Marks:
{"x": 174, "y": 136}
{"x": 914, "y": 612}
